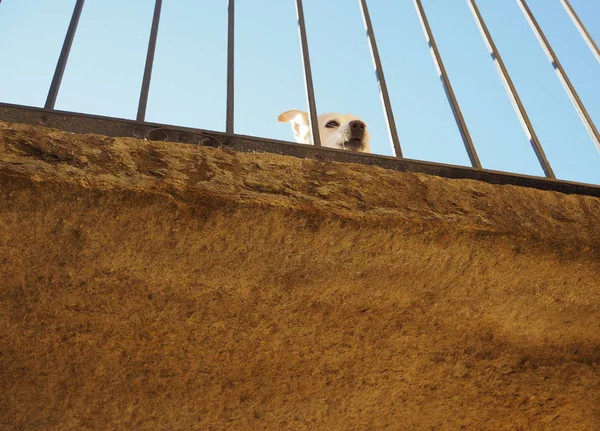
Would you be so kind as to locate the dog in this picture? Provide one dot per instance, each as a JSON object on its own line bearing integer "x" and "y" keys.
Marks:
{"x": 344, "y": 131}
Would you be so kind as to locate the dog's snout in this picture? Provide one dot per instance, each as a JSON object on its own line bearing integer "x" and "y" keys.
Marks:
{"x": 357, "y": 126}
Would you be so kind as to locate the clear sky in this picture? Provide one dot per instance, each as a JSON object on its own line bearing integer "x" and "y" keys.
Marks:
{"x": 105, "y": 70}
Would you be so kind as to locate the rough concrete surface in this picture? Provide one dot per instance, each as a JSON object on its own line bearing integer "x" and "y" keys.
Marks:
{"x": 160, "y": 286}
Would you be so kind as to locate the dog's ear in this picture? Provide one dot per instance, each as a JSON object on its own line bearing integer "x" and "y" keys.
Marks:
{"x": 300, "y": 125}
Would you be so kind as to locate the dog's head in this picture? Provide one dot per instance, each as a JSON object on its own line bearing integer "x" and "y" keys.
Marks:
{"x": 336, "y": 130}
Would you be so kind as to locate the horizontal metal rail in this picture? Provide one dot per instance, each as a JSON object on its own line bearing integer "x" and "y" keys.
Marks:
{"x": 83, "y": 123}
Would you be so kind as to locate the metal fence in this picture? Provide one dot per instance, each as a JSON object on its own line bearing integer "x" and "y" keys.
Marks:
{"x": 82, "y": 122}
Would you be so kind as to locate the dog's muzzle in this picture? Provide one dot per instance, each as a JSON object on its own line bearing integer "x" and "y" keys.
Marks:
{"x": 357, "y": 129}
{"x": 357, "y": 132}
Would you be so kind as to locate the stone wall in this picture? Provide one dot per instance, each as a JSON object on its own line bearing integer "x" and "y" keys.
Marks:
{"x": 152, "y": 285}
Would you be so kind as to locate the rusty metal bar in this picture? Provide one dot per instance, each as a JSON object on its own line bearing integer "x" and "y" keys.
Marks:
{"x": 143, "y": 103}
{"x": 64, "y": 56}
{"x": 230, "y": 66}
{"x": 383, "y": 90}
{"x": 582, "y": 30}
{"x": 439, "y": 65}
{"x": 511, "y": 91}
{"x": 308, "y": 81}
{"x": 562, "y": 75}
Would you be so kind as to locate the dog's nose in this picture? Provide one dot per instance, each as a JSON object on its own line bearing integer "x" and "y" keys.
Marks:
{"x": 357, "y": 125}
{"x": 357, "y": 128}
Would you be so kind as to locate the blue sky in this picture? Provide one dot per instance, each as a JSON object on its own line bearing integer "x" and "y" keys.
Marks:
{"x": 105, "y": 69}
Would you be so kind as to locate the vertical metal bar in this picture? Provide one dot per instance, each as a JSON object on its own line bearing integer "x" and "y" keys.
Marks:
{"x": 64, "y": 56}
{"x": 141, "y": 113}
{"x": 562, "y": 75}
{"x": 383, "y": 90}
{"x": 230, "y": 66}
{"x": 310, "y": 91}
{"x": 511, "y": 91}
{"x": 439, "y": 65}
{"x": 582, "y": 30}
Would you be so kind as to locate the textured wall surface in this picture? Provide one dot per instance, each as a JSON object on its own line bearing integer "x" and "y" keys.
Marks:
{"x": 151, "y": 285}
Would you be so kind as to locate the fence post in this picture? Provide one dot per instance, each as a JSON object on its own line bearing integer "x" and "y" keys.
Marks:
{"x": 141, "y": 114}
{"x": 439, "y": 65}
{"x": 308, "y": 81}
{"x": 64, "y": 56}
{"x": 562, "y": 75}
{"x": 582, "y": 30}
{"x": 511, "y": 91}
{"x": 383, "y": 90}
{"x": 229, "y": 117}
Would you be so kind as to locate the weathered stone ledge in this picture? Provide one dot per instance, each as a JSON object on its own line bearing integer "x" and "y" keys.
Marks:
{"x": 152, "y": 285}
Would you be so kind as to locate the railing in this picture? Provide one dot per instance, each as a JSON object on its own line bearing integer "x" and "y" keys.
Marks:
{"x": 12, "y": 112}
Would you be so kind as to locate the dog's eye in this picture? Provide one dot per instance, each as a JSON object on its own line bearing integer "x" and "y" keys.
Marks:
{"x": 332, "y": 124}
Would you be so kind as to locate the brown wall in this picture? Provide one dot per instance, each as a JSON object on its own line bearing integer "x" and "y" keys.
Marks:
{"x": 150, "y": 285}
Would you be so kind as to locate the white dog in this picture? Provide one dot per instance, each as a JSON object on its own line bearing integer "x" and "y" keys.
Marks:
{"x": 343, "y": 131}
